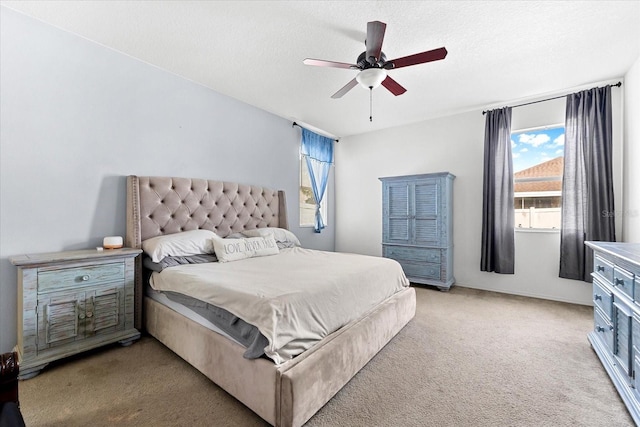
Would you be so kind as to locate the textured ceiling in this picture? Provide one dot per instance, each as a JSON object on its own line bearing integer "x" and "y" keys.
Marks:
{"x": 499, "y": 51}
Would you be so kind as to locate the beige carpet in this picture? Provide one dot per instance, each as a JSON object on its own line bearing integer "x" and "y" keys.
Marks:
{"x": 469, "y": 358}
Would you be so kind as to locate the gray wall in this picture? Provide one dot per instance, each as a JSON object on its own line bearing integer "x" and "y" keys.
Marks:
{"x": 455, "y": 144}
{"x": 76, "y": 118}
{"x": 631, "y": 209}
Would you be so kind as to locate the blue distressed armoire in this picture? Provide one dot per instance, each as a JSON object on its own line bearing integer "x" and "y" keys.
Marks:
{"x": 417, "y": 226}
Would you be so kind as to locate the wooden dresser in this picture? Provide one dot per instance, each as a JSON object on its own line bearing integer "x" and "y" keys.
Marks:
{"x": 417, "y": 226}
{"x": 616, "y": 301}
{"x": 73, "y": 301}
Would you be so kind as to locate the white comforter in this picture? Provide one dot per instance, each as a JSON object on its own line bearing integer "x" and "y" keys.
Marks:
{"x": 295, "y": 298}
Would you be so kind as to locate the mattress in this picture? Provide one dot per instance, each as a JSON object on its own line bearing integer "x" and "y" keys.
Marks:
{"x": 161, "y": 297}
{"x": 295, "y": 298}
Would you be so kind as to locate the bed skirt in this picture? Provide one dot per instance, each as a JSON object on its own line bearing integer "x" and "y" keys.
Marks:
{"x": 288, "y": 394}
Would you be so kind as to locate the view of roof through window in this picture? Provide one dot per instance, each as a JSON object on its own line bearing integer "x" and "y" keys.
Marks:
{"x": 538, "y": 156}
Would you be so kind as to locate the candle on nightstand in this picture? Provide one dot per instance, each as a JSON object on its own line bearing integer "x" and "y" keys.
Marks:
{"x": 112, "y": 242}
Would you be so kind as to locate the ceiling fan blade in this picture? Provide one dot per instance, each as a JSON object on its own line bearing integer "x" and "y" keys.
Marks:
{"x": 346, "y": 88}
{"x": 393, "y": 86}
{"x": 418, "y": 58}
{"x": 323, "y": 63}
{"x": 375, "y": 36}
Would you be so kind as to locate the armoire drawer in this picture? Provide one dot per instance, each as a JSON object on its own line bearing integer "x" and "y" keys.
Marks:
{"x": 423, "y": 271}
{"x": 403, "y": 253}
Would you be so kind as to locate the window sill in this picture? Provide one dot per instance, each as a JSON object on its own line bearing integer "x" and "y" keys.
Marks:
{"x": 537, "y": 230}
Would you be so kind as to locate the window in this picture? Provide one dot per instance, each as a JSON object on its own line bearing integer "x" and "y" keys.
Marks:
{"x": 538, "y": 161}
{"x": 307, "y": 200}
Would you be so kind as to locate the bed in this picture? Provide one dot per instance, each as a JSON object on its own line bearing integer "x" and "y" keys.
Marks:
{"x": 286, "y": 393}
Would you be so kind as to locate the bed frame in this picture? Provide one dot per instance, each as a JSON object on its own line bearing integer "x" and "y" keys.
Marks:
{"x": 284, "y": 395}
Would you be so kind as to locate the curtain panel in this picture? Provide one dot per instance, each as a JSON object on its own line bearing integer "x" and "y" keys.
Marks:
{"x": 498, "y": 245}
{"x": 318, "y": 152}
{"x": 587, "y": 184}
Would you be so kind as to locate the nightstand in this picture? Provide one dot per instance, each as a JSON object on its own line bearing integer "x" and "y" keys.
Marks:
{"x": 73, "y": 301}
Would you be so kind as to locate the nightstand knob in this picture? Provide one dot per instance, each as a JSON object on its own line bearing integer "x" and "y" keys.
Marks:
{"x": 81, "y": 315}
{"x": 89, "y": 314}
{"x": 85, "y": 277}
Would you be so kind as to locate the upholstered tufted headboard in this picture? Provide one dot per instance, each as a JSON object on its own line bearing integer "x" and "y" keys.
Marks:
{"x": 167, "y": 205}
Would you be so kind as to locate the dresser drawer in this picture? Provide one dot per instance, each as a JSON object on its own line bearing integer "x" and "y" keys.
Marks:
{"x": 603, "y": 329}
{"x": 421, "y": 271}
{"x": 50, "y": 280}
{"x": 602, "y": 298}
{"x": 623, "y": 281}
{"x": 403, "y": 253}
{"x": 603, "y": 268}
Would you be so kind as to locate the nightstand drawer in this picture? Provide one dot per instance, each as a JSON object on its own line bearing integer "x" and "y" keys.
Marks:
{"x": 602, "y": 298}
{"x": 402, "y": 253}
{"x": 79, "y": 276}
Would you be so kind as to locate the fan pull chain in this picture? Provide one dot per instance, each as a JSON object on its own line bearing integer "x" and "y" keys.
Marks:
{"x": 370, "y": 103}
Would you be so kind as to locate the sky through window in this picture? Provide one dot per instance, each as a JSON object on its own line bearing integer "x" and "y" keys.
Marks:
{"x": 535, "y": 146}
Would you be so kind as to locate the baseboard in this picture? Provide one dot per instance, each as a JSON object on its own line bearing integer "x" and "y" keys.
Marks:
{"x": 527, "y": 294}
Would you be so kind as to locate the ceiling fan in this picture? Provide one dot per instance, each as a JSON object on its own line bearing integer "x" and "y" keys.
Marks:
{"x": 373, "y": 63}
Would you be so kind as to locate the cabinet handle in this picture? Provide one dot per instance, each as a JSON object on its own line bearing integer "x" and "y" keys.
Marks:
{"x": 597, "y": 297}
{"x": 600, "y": 268}
{"x": 619, "y": 282}
{"x": 599, "y": 328}
{"x": 81, "y": 316}
{"x": 85, "y": 277}
{"x": 89, "y": 314}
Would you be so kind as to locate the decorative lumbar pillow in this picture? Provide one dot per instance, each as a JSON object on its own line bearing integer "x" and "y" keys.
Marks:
{"x": 186, "y": 243}
{"x": 237, "y": 249}
{"x": 284, "y": 238}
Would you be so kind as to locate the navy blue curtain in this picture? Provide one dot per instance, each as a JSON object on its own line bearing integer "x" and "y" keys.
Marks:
{"x": 318, "y": 152}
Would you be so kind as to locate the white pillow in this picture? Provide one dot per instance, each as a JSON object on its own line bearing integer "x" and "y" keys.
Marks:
{"x": 236, "y": 249}
{"x": 284, "y": 238}
{"x": 185, "y": 243}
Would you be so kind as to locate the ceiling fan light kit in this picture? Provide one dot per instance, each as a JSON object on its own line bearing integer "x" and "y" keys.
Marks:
{"x": 371, "y": 78}
{"x": 373, "y": 64}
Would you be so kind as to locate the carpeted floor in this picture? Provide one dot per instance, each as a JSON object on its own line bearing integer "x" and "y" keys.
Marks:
{"x": 469, "y": 358}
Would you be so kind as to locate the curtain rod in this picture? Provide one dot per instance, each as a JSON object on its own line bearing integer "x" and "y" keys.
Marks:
{"x": 548, "y": 99}
{"x": 295, "y": 124}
